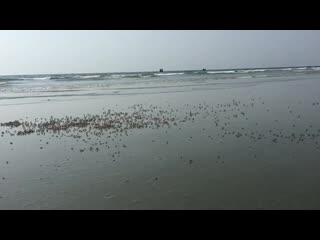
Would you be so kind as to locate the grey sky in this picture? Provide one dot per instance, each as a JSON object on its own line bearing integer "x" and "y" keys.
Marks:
{"x": 35, "y": 52}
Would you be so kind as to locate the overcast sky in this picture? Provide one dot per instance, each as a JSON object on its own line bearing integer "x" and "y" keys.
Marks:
{"x": 35, "y": 52}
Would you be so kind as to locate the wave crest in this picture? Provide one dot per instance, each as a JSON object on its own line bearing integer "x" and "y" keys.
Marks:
{"x": 221, "y": 72}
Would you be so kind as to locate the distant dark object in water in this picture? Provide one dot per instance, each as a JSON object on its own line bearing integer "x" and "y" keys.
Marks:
{"x": 204, "y": 70}
{"x": 161, "y": 70}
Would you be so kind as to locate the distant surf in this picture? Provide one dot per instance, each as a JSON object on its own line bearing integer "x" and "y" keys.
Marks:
{"x": 315, "y": 68}
{"x": 218, "y": 72}
{"x": 35, "y": 78}
{"x": 168, "y": 74}
{"x": 143, "y": 82}
{"x": 88, "y": 77}
{"x": 253, "y": 70}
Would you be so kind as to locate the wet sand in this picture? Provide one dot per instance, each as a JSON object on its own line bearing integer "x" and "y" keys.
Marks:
{"x": 244, "y": 147}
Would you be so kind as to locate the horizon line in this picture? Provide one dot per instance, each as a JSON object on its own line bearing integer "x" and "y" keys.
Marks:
{"x": 217, "y": 69}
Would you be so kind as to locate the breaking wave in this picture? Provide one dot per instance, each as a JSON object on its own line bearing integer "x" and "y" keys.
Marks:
{"x": 88, "y": 77}
{"x": 219, "y": 72}
{"x": 253, "y": 70}
{"x": 168, "y": 74}
{"x": 34, "y": 78}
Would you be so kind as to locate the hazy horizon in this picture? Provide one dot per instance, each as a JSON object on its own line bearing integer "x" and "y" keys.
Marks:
{"x": 177, "y": 70}
{"x": 67, "y": 52}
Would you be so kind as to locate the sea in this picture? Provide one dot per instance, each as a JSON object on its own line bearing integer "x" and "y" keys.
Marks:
{"x": 99, "y": 84}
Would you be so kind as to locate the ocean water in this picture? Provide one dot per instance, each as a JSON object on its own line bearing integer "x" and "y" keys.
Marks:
{"x": 236, "y": 139}
{"x": 99, "y": 84}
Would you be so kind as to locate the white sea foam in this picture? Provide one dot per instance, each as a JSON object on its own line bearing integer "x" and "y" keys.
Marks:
{"x": 217, "y": 72}
{"x": 125, "y": 75}
{"x": 36, "y": 78}
{"x": 253, "y": 70}
{"x": 116, "y": 76}
{"x": 92, "y": 76}
{"x": 168, "y": 74}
